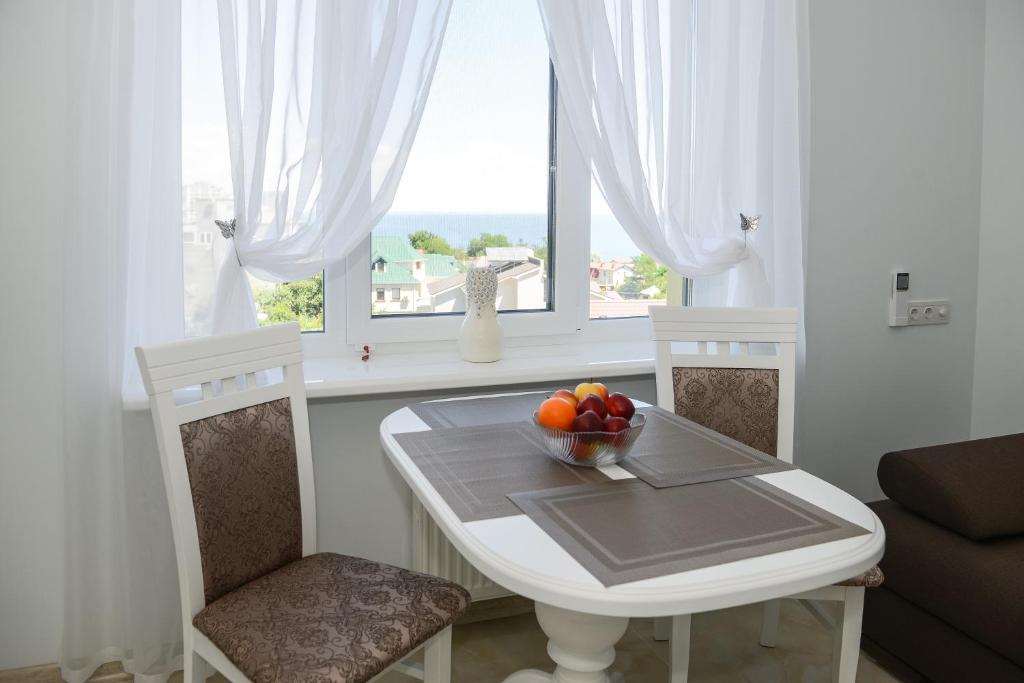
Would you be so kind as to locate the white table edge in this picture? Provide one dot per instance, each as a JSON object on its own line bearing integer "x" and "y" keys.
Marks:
{"x": 632, "y": 600}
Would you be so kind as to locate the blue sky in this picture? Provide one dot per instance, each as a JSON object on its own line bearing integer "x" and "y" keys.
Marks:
{"x": 482, "y": 145}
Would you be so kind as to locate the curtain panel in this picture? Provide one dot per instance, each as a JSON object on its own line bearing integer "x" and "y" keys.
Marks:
{"x": 688, "y": 113}
{"x": 323, "y": 100}
{"x": 122, "y": 269}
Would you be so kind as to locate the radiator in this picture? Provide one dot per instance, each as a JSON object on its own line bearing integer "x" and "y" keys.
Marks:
{"x": 433, "y": 554}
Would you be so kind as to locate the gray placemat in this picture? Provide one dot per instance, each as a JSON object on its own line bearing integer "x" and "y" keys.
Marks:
{"x": 476, "y": 412}
{"x": 623, "y": 531}
{"x": 475, "y": 468}
{"x": 674, "y": 451}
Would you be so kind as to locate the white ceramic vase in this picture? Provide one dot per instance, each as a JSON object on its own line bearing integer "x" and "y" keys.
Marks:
{"x": 480, "y": 335}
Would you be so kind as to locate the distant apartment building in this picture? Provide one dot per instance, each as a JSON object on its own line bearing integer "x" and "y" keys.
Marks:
{"x": 520, "y": 282}
{"x": 406, "y": 281}
{"x": 610, "y": 275}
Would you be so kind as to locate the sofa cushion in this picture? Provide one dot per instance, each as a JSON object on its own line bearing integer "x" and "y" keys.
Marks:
{"x": 975, "y": 587}
{"x": 972, "y": 487}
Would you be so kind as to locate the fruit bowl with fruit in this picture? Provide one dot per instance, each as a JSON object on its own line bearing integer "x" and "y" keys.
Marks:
{"x": 588, "y": 426}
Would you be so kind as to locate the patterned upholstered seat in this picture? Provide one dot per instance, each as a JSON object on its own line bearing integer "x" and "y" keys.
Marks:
{"x": 872, "y": 578}
{"x": 329, "y": 617}
{"x": 743, "y": 404}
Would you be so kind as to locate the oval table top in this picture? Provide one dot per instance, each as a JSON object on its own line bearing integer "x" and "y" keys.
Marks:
{"x": 517, "y": 554}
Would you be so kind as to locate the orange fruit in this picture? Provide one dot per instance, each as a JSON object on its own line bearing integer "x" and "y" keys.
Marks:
{"x": 556, "y": 413}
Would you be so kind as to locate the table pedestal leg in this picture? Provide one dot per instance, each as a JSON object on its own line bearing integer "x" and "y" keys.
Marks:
{"x": 582, "y": 646}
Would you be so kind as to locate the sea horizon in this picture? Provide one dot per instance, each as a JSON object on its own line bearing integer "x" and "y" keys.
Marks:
{"x": 607, "y": 237}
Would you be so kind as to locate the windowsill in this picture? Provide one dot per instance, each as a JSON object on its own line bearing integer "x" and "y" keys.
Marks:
{"x": 392, "y": 373}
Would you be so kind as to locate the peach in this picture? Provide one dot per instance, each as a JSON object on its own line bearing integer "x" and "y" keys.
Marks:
{"x": 566, "y": 395}
{"x": 591, "y": 388}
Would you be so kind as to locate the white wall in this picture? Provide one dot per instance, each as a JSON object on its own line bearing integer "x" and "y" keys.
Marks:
{"x": 895, "y": 129}
{"x": 31, "y": 173}
{"x": 998, "y": 366}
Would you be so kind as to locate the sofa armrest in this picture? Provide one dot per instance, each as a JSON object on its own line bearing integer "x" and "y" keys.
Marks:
{"x": 973, "y": 487}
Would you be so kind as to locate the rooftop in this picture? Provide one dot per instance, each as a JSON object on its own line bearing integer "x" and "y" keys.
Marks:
{"x": 394, "y": 274}
{"x": 440, "y": 265}
{"x": 393, "y": 248}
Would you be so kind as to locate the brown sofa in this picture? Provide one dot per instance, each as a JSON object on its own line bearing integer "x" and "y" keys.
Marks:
{"x": 952, "y": 606}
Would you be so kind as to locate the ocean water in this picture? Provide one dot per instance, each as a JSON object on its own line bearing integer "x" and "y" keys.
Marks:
{"x": 607, "y": 237}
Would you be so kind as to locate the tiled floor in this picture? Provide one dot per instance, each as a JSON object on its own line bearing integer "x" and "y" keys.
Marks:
{"x": 724, "y": 650}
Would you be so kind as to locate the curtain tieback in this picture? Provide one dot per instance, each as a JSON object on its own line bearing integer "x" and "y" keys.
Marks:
{"x": 227, "y": 230}
{"x": 748, "y": 224}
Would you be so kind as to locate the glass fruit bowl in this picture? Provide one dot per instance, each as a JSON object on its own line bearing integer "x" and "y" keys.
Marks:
{"x": 590, "y": 449}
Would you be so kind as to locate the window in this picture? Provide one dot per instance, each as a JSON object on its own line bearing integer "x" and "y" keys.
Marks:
{"x": 494, "y": 178}
{"x": 475, "y": 191}
{"x": 624, "y": 282}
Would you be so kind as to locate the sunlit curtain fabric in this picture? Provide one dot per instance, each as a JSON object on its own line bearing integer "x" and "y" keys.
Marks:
{"x": 122, "y": 269}
{"x": 688, "y": 113}
{"x": 323, "y": 101}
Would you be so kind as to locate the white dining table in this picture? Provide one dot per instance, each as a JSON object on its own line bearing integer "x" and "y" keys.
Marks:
{"x": 582, "y": 618}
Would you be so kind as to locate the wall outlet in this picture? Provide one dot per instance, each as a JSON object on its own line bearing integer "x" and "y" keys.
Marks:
{"x": 928, "y": 311}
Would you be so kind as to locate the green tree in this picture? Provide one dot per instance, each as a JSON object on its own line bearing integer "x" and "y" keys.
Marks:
{"x": 430, "y": 243}
{"x": 540, "y": 251}
{"x": 646, "y": 273}
{"x": 478, "y": 245}
{"x": 302, "y": 300}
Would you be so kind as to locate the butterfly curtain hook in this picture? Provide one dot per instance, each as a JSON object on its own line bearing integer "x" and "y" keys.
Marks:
{"x": 227, "y": 231}
{"x": 748, "y": 224}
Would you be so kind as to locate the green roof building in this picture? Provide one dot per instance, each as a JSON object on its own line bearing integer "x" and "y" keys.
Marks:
{"x": 389, "y": 273}
{"x": 440, "y": 265}
{"x": 393, "y": 249}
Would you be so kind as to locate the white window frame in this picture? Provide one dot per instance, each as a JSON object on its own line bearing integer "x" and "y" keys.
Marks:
{"x": 348, "y": 319}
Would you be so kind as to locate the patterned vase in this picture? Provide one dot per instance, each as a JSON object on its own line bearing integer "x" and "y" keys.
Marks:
{"x": 480, "y": 336}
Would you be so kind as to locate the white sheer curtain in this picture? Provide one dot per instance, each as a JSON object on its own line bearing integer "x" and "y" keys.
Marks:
{"x": 122, "y": 273}
{"x": 323, "y": 101}
{"x": 688, "y": 112}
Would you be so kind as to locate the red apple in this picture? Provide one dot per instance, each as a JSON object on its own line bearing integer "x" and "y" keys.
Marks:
{"x": 614, "y": 424}
{"x": 617, "y": 426}
{"x": 587, "y": 421}
{"x": 619, "y": 405}
{"x": 592, "y": 402}
{"x": 583, "y": 449}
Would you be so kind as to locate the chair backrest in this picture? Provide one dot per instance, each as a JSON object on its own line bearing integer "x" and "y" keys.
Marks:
{"x": 747, "y": 396}
{"x": 236, "y": 456}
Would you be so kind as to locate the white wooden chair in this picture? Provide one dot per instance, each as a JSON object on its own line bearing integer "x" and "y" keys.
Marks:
{"x": 749, "y": 397}
{"x": 257, "y": 601}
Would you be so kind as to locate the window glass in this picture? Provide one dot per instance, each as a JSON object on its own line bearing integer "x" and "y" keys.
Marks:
{"x": 624, "y": 282}
{"x": 475, "y": 190}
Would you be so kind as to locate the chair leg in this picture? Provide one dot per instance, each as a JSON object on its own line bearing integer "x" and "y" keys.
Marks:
{"x": 770, "y": 623}
{"x": 679, "y": 651}
{"x": 662, "y": 628}
{"x": 195, "y": 668}
{"x": 846, "y": 643}
{"x": 437, "y": 658}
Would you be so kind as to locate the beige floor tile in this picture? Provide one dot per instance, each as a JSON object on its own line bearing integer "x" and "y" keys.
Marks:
{"x": 724, "y": 650}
